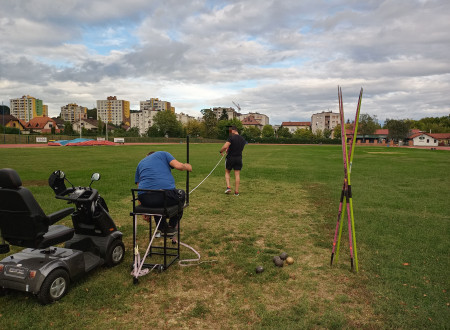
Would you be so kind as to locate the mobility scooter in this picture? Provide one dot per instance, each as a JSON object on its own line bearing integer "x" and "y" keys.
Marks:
{"x": 41, "y": 268}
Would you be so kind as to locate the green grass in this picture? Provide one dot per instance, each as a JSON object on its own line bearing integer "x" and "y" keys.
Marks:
{"x": 288, "y": 202}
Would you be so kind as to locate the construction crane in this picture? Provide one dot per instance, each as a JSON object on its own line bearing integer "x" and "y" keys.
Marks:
{"x": 237, "y": 105}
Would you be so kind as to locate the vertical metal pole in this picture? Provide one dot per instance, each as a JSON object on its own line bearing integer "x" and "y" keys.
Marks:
{"x": 187, "y": 172}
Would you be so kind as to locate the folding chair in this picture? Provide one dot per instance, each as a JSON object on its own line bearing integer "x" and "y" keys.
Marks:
{"x": 169, "y": 254}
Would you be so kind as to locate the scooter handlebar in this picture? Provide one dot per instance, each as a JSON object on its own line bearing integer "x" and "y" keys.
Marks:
{"x": 78, "y": 194}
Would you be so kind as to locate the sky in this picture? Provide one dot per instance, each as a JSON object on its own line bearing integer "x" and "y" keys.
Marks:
{"x": 281, "y": 58}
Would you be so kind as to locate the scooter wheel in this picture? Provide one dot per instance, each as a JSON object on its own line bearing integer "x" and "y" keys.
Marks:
{"x": 54, "y": 287}
{"x": 115, "y": 253}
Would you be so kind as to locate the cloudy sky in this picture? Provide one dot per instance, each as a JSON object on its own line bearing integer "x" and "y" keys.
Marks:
{"x": 283, "y": 58}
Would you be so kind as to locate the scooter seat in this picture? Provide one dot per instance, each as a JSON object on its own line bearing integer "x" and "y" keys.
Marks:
{"x": 56, "y": 234}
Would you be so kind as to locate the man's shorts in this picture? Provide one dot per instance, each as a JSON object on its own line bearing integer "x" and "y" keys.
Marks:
{"x": 233, "y": 163}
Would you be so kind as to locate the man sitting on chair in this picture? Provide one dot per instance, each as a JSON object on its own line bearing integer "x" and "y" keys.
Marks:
{"x": 154, "y": 172}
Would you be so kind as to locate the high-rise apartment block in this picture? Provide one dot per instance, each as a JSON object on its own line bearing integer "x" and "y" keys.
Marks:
{"x": 27, "y": 108}
{"x": 156, "y": 105}
{"x": 324, "y": 120}
{"x": 114, "y": 111}
{"x": 73, "y": 112}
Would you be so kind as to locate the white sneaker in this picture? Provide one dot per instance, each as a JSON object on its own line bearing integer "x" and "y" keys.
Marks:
{"x": 228, "y": 191}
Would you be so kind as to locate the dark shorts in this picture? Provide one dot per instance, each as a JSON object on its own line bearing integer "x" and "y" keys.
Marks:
{"x": 233, "y": 163}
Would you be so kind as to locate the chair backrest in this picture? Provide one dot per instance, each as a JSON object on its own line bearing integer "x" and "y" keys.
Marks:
{"x": 22, "y": 220}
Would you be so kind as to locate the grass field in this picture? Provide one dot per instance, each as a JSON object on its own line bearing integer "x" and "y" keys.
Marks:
{"x": 288, "y": 202}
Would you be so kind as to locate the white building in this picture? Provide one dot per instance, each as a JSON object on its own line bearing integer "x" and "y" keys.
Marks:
{"x": 143, "y": 119}
{"x": 156, "y": 105}
{"x": 72, "y": 112}
{"x": 324, "y": 120}
{"x": 424, "y": 140}
{"x": 114, "y": 111}
{"x": 259, "y": 117}
{"x": 231, "y": 113}
{"x": 184, "y": 118}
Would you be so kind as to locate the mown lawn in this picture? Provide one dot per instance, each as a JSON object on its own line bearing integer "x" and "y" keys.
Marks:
{"x": 288, "y": 202}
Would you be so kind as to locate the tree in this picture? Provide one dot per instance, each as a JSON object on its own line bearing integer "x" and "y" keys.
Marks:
{"x": 167, "y": 124}
{"x": 209, "y": 123}
{"x": 284, "y": 132}
{"x": 337, "y": 132}
{"x": 153, "y": 131}
{"x": 327, "y": 133}
{"x": 224, "y": 115}
{"x": 223, "y": 127}
{"x": 398, "y": 129}
{"x": 68, "y": 129}
{"x": 251, "y": 133}
{"x": 367, "y": 125}
{"x": 318, "y": 134}
{"x": 303, "y": 133}
{"x": 193, "y": 128}
{"x": 268, "y": 131}
{"x": 4, "y": 110}
{"x": 92, "y": 113}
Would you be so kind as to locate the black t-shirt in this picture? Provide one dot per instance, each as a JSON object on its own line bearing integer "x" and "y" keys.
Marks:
{"x": 236, "y": 146}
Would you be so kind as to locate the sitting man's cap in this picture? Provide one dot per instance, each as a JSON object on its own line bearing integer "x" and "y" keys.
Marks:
{"x": 233, "y": 128}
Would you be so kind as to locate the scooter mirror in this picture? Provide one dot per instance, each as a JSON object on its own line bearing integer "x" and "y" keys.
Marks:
{"x": 61, "y": 174}
{"x": 95, "y": 177}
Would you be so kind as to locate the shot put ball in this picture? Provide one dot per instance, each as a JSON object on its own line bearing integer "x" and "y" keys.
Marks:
{"x": 289, "y": 260}
{"x": 259, "y": 269}
{"x": 283, "y": 256}
{"x": 278, "y": 262}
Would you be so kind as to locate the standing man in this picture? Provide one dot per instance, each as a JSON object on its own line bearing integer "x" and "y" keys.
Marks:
{"x": 234, "y": 146}
{"x": 154, "y": 172}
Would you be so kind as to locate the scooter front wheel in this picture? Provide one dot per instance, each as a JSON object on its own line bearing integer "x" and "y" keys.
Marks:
{"x": 115, "y": 253}
{"x": 54, "y": 287}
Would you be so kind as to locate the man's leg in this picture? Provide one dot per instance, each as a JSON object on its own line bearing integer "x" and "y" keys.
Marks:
{"x": 227, "y": 178}
{"x": 237, "y": 176}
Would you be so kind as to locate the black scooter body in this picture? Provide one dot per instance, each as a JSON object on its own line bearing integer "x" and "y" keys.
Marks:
{"x": 96, "y": 241}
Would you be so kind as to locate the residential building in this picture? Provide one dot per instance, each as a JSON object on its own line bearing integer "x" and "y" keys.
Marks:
{"x": 324, "y": 120}
{"x": 12, "y": 122}
{"x": 86, "y": 123}
{"x": 41, "y": 125}
{"x": 72, "y": 112}
{"x": 27, "y": 107}
{"x": 259, "y": 117}
{"x": 184, "y": 118}
{"x": 155, "y": 104}
{"x": 114, "y": 111}
{"x": 143, "y": 119}
{"x": 292, "y": 126}
{"x": 231, "y": 113}
{"x": 250, "y": 121}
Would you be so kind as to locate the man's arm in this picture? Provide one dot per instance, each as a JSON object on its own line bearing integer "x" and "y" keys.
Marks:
{"x": 181, "y": 166}
{"x": 225, "y": 147}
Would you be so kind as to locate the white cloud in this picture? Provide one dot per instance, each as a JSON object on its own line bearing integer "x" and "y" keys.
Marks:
{"x": 281, "y": 58}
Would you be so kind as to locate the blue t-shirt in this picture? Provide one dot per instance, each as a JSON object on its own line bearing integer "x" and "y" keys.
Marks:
{"x": 154, "y": 172}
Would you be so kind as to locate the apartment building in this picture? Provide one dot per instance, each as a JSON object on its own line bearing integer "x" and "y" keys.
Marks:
{"x": 219, "y": 111}
{"x": 27, "y": 107}
{"x": 259, "y": 117}
{"x": 156, "y": 104}
{"x": 114, "y": 111}
{"x": 324, "y": 120}
{"x": 143, "y": 119}
{"x": 73, "y": 112}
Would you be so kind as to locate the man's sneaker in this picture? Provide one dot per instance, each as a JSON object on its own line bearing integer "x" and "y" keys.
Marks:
{"x": 236, "y": 193}
{"x": 228, "y": 190}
